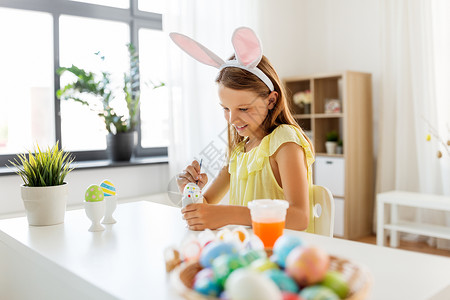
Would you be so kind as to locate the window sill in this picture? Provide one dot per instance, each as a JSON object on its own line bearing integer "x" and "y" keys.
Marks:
{"x": 97, "y": 164}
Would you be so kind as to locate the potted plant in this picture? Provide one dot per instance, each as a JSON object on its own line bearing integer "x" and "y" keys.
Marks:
{"x": 332, "y": 138}
{"x": 44, "y": 192}
{"x": 340, "y": 147}
{"x": 122, "y": 135}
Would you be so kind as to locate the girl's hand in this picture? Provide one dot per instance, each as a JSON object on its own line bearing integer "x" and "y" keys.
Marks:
{"x": 200, "y": 216}
{"x": 191, "y": 174}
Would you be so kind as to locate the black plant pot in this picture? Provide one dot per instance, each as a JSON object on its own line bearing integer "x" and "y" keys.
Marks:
{"x": 120, "y": 146}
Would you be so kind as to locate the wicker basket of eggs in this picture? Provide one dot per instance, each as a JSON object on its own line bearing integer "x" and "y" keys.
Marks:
{"x": 233, "y": 265}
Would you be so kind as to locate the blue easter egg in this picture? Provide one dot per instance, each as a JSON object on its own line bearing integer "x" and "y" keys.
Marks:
{"x": 282, "y": 280}
{"x": 283, "y": 247}
{"x": 214, "y": 250}
{"x": 206, "y": 284}
{"x": 108, "y": 188}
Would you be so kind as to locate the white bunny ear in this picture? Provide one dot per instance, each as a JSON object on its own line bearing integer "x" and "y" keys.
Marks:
{"x": 247, "y": 47}
{"x": 196, "y": 50}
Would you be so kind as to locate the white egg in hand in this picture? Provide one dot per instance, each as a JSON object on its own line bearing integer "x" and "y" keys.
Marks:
{"x": 192, "y": 194}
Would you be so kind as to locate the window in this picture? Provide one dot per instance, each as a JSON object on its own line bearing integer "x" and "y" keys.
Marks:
{"x": 80, "y": 38}
{"x": 26, "y": 80}
{"x": 41, "y": 37}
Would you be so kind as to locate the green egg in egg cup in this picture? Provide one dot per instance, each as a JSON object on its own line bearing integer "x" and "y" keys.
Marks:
{"x": 94, "y": 206}
{"x": 109, "y": 191}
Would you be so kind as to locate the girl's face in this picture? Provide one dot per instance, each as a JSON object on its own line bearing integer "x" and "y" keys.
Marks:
{"x": 245, "y": 110}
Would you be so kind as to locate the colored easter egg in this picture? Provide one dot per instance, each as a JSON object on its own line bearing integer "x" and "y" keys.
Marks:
{"x": 191, "y": 190}
{"x": 225, "y": 264}
{"x": 318, "y": 292}
{"x": 263, "y": 264}
{"x": 213, "y": 250}
{"x": 245, "y": 284}
{"x": 224, "y": 234}
{"x": 240, "y": 233}
{"x": 206, "y": 284}
{"x": 335, "y": 281}
{"x": 283, "y": 247}
{"x": 93, "y": 194}
{"x": 282, "y": 280}
{"x": 307, "y": 265}
{"x": 108, "y": 188}
{"x": 290, "y": 296}
{"x": 191, "y": 249}
{"x": 250, "y": 255}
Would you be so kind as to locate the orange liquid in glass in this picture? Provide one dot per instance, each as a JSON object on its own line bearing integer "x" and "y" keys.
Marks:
{"x": 268, "y": 231}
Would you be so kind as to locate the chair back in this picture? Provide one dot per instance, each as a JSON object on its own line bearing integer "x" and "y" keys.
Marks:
{"x": 323, "y": 211}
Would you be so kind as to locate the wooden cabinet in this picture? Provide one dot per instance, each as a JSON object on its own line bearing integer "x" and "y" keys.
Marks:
{"x": 349, "y": 175}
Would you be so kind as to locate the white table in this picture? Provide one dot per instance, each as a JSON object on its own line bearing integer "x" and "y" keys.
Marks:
{"x": 126, "y": 261}
{"x": 417, "y": 200}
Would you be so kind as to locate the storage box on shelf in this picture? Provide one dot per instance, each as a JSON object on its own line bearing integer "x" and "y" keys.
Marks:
{"x": 349, "y": 175}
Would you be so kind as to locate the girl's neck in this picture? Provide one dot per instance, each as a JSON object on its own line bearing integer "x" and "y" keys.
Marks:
{"x": 251, "y": 143}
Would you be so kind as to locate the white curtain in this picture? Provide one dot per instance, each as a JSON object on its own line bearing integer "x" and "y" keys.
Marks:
{"x": 198, "y": 128}
{"x": 415, "y": 96}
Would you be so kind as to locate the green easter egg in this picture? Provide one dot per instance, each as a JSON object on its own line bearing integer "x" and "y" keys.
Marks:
{"x": 318, "y": 292}
{"x": 224, "y": 265}
{"x": 335, "y": 281}
{"x": 263, "y": 264}
{"x": 94, "y": 193}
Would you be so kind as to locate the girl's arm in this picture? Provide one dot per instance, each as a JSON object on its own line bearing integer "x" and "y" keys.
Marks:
{"x": 293, "y": 173}
{"x": 218, "y": 187}
{"x": 201, "y": 216}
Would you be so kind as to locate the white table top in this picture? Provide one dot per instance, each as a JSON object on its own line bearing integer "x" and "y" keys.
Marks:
{"x": 126, "y": 260}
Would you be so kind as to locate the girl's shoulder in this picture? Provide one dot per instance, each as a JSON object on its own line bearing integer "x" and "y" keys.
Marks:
{"x": 285, "y": 133}
{"x": 288, "y": 133}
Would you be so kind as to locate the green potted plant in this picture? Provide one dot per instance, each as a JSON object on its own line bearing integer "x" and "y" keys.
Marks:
{"x": 44, "y": 191}
{"x": 122, "y": 135}
{"x": 340, "y": 147}
{"x": 332, "y": 138}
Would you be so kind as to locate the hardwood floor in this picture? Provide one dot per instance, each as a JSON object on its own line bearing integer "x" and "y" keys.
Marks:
{"x": 411, "y": 246}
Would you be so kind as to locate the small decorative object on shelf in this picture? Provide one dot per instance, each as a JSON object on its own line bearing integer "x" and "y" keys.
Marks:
{"x": 332, "y": 142}
{"x": 109, "y": 191}
{"x": 94, "y": 206}
{"x": 303, "y": 100}
{"x": 433, "y": 132}
{"x": 44, "y": 192}
{"x": 332, "y": 106}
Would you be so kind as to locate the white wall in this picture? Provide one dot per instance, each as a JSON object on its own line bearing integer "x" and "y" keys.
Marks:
{"x": 129, "y": 181}
{"x": 304, "y": 37}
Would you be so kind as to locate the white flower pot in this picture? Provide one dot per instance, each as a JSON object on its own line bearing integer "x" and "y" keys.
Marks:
{"x": 331, "y": 147}
{"x": 45, "y": 205}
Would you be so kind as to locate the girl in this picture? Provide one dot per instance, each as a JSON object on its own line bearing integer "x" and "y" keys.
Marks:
{"x": 269, "y": 156}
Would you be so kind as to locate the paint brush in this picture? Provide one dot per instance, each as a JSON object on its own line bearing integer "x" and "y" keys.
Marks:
{"x": 201, "y": 160}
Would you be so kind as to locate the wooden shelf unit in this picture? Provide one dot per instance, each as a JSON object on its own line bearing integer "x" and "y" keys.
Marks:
{"x": 354, "y": 195}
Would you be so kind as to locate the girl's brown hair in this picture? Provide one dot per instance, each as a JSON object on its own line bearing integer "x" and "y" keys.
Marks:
{"x": 239, "y": 79}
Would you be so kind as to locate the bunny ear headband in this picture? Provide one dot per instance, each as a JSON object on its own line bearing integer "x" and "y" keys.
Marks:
{"x": 247, "y": 48}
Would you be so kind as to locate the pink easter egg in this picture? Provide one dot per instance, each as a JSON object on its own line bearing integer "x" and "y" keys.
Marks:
{"x": 307, "y": 265}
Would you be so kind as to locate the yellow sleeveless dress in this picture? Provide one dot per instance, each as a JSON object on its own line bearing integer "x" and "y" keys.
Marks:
{"x": 251, "y": 175}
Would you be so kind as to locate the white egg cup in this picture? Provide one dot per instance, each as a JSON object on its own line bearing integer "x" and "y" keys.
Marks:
{"x": 95, "y": 212}
{"x": 111, "y": 204}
